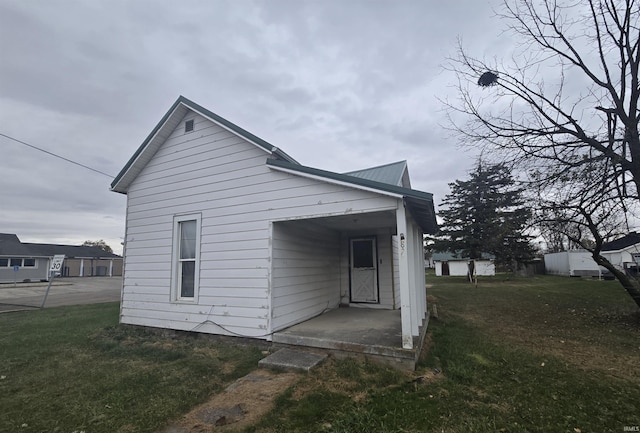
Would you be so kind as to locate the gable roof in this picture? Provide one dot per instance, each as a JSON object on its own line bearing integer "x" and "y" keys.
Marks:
{"x": 10, "y": 245}
{"x": 388, "y": 173}
{"x": 420, "y": 203}
{"x": 165, "y": 127}
{"x": 385, "y": 179}
{"x": 626, "y": 241}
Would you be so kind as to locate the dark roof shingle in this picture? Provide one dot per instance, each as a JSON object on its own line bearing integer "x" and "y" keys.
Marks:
{"x": 10, "y": 245}
{"x": 619, "y": 244}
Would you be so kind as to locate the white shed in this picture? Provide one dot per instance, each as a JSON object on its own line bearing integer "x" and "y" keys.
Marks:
{"x": 449, "y": 264}
{"x": 623, "y": 253}
{"x": 574, "y": 263}
{"x": 227, "y": 234}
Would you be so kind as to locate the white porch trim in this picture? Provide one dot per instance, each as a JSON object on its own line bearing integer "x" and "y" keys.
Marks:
{"x": 404, "y": 276}
{"x": 413, "y": 296}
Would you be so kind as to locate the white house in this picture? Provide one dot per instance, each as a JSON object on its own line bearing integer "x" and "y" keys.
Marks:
{"x": 623, "y": 253}
{"x": 574, "y": 263}
{"x": 448, "y": 264}
{"x": 227, "y": 234}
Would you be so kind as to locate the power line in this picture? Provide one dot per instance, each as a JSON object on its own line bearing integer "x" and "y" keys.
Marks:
{"x": 57, "y": 156}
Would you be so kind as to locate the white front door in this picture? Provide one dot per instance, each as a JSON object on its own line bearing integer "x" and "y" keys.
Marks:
{"x": 364, "y": 270}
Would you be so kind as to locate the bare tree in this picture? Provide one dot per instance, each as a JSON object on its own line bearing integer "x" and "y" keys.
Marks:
{"x": 100, "y": 244}
{"x": 564, "y": 111}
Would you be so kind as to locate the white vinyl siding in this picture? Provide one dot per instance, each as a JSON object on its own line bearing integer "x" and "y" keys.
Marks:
{"x": 218, "y": 175}
{"x": 25, "y": 272}
{"x": 305, "y": 272}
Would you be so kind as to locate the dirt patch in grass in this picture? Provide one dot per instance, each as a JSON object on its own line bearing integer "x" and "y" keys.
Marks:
{"x": 239, "y": 405}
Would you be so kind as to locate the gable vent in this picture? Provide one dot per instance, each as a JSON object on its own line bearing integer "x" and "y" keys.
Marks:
{"x": 188, "y": 126}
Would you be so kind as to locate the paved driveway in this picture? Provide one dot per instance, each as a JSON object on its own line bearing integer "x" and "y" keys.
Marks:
{"x": 64, "y": 291}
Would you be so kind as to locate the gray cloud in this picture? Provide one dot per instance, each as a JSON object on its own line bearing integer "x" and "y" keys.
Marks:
{"x": 338, "y": 85}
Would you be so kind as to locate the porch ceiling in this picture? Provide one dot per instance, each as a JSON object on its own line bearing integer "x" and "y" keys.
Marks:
{"x": 360, "y": 221}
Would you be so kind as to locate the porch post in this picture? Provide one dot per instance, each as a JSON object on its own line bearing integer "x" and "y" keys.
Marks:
{"x": 420, "y": 289}
{"x": 403, "y": 274}
{"x": 415, "y": 305}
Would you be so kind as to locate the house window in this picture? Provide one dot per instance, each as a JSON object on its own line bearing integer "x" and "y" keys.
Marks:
{"x": 15, "y": 262}
{"x": 29, "y": 263}
{"x": 188, "y": 126}
{"x": 186, "y": 257}
{"x": 4, "y": 263}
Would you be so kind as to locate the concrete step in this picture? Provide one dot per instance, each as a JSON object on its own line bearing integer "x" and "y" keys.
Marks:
{"x": 289, "y": 359}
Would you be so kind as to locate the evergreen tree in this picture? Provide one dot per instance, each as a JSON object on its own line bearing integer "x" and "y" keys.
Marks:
{"x": 486, "y": 214}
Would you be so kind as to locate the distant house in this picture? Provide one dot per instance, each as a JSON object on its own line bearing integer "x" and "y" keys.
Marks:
{"x": 20, "y": 261}
{"x": 452, "y": 264}
{"x": 227, "y": 234}
{"x": 574, "y": 263}
{"x": 623, "y": 253}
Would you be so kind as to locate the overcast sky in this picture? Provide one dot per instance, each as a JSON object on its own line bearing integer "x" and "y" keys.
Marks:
{"x": 338, "y": 85}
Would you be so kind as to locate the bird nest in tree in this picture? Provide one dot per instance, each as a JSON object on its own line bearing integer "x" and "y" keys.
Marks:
{"x": 488, "y": 79}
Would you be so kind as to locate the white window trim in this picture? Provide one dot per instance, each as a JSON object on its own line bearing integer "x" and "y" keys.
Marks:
{"x": 175, "y": 260}
{"x": 35, "y": 263}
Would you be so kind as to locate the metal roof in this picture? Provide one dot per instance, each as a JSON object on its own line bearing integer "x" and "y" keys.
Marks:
{"x": 386, "y": 178}
{"x": 388, "y": 173}
{"x": 420, "y": 203}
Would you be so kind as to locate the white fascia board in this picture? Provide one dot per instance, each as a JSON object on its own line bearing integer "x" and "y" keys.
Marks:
{"x": 335, "y": 182}
{"x": 151, "y": 142}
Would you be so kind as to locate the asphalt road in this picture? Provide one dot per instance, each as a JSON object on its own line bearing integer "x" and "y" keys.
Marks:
{"x": 64, "y": 291}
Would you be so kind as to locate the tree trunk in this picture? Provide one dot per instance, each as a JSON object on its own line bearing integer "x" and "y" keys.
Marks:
{"x": 630, "y": 284}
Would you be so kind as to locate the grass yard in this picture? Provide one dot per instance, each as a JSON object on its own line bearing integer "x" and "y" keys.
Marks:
{"x": 73, "y": 369}
{"x": 545, "y": 354}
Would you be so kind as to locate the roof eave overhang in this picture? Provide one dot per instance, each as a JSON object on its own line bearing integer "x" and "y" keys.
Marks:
{"x": 420, "y": 204}
{"x": 424, "y": 214}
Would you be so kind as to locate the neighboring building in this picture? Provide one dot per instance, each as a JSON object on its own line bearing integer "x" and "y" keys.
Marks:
{"x": 623, "y": 253}
{"x": 33, "y": 260}
{"x": 448, "y": 264}
{"x": 227, "y": 234}
{"x": 574, "y": 263}
{"x": 30, "y": 264}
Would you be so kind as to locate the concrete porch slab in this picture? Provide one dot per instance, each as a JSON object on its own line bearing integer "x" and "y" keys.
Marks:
{"x": 356, "y": 331}
{"x": 289, "y": 359}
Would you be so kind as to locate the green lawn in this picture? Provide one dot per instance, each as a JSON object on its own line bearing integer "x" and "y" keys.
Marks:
{"x": 545, "y": 354}
{"x": 74, "y": 369}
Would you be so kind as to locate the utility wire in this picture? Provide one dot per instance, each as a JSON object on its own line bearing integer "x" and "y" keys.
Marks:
{"x": 57, "y": 156}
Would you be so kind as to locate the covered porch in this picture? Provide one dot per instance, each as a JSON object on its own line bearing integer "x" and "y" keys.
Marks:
{"x": 322, "y": 270}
